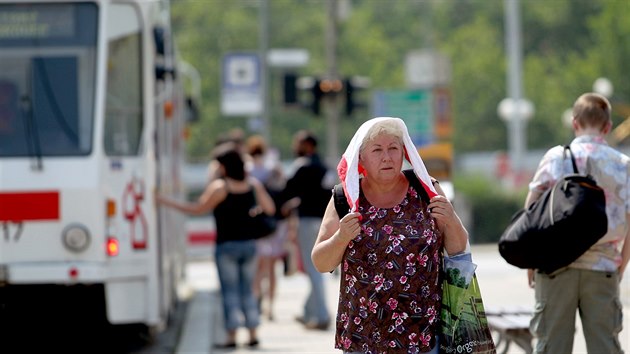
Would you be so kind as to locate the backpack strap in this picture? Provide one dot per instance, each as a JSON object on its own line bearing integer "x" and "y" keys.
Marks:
{"x": 341, "y": 203}
{"x": 564, "y": 155}
{"x": 415, "y": 183}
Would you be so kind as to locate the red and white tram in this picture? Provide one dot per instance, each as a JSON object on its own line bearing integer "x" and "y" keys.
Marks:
{"x": 92, "y": 114}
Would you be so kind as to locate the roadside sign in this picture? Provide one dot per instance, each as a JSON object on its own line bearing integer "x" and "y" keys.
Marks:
{"x": 426, "y": 68}
{"x": 241, "y": 92}
{"x": 442, "y": 113}
{"x": 415, "y": 107}
{"x": 287, "y": 58}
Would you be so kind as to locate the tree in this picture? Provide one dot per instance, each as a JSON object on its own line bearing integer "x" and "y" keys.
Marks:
{"x": 566, "y": 44}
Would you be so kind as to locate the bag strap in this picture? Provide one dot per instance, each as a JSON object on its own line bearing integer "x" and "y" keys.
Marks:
{"x": 415, "y": 183}
{"x": 341, "y": 203}
{"x": 568, "y": 147}
{"x": 256, "y": 202}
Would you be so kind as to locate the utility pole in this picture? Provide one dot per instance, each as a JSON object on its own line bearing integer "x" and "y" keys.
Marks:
{"x": 332, "y": 106}
{"x": 263, "y": 19}
{"x": 516, "y": 119}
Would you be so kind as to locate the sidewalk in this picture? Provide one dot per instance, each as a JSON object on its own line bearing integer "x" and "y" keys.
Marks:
{"x": 204, "y": 327}
{"x": 500, "y": 283}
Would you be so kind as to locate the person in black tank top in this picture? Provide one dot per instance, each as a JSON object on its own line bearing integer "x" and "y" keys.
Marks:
{"x": 231, "y": 198}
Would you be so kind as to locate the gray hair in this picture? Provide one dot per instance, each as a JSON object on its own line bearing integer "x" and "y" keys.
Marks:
{"x": 384, "y": 127}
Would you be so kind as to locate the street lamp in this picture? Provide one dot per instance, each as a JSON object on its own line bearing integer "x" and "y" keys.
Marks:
{"x": 604, "y": 87}
{"x": 510, "y": 108}
{"x": 516, "y": 112}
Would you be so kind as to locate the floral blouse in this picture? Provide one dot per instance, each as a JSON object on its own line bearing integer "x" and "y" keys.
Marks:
{"x": 390, "y": 291}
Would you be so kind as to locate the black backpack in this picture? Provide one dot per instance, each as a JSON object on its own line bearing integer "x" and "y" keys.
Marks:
{"x": 341, "y": 203}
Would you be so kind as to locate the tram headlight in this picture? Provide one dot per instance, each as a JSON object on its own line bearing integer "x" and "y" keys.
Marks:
{"x": 76, "y": 237}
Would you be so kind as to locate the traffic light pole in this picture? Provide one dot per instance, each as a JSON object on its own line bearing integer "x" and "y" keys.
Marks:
{"x": 332, "y": 101}
{"x": 264, "y": 68}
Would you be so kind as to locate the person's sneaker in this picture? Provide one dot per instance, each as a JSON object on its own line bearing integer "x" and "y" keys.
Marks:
{"x": 300, "y": 319}
{"x": 322, "y": 326}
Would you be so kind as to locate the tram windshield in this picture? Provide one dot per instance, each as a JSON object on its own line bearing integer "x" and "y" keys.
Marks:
{"x": 47, "y": 78}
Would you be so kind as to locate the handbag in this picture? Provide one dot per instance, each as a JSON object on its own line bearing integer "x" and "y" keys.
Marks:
{"x": 261, "y": 224}
{"x": 559, "y": 227}
{"x": 463, "y": 323}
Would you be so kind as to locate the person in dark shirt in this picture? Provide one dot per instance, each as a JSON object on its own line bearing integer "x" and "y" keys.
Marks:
{"x": 309, "y": 191}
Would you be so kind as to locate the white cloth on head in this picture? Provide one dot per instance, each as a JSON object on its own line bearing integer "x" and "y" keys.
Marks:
{"x": 349, "y": 169}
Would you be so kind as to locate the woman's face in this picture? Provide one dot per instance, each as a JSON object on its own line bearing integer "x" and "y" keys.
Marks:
{"x": 382, "y": 156}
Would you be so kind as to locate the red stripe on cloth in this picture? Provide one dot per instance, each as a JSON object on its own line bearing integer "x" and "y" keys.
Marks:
{"x": 342, "y": 169}
{"x": 430, "y": 193}
{"x": 29, "y": 206}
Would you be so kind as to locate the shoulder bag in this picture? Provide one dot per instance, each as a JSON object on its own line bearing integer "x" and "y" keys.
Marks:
{"x": 262, "y": 225}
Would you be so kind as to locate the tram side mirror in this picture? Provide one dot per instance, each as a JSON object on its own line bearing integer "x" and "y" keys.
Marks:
{"x": 192, "y": 110}
{"x": 158, "y": 38}
{"x": 161, "y": 69}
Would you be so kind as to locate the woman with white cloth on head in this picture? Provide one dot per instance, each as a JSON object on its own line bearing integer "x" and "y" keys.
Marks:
{"x": 389, "y": 246}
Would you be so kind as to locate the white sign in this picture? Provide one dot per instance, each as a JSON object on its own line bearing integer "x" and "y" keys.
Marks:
{"x": 241, "y": 93}
{"x": 287, "y": 58}
{"x": 426, "y": 69}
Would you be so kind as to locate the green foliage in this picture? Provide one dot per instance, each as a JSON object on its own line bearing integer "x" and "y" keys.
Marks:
{"x": 567, "y": 44}
{"x": 478, "y": 85}
{"x": 492, "y": 207}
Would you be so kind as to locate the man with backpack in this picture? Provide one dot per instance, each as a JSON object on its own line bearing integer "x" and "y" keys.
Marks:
{"x": 591, "y": 283}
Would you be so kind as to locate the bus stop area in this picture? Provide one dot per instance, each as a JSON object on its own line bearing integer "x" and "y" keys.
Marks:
{"x": 502, "y": 286}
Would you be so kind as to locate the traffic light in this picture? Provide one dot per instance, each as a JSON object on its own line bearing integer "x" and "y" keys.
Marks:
{"x": 317, "y": 97}
{"x": 350, "y": 103}
{"x": 322, "y": 88}
{"x": 290, "y": 89}
{"x": 353, "y": 85}
{"x": 331, "y": 86}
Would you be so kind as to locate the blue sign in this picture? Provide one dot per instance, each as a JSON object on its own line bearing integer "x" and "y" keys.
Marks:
{"x": 241, "y": 93}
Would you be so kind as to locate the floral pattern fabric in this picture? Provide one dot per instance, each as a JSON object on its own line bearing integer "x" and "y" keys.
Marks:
{"x": 611, "y": 170}
{"x": 390, "y": 291}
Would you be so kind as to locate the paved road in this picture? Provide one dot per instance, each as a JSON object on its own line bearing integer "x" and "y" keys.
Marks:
{"x": 500, "y": 283}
